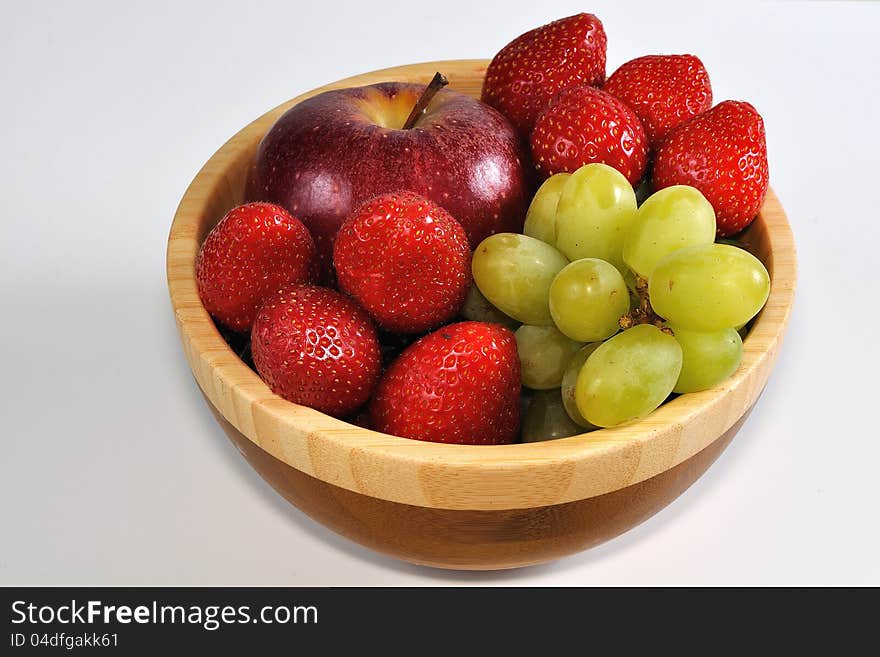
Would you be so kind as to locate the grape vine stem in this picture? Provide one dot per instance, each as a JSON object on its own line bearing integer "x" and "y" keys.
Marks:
{"x": 643, "y": 313}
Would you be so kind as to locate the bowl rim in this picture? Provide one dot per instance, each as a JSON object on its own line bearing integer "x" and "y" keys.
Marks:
{"x": 472, "y": 477}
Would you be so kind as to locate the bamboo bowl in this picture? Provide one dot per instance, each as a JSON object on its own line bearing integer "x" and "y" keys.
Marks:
{"x": 461, "y": 506}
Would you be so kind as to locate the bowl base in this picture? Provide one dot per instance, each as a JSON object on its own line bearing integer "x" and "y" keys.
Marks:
{"x": 476, "y": 540}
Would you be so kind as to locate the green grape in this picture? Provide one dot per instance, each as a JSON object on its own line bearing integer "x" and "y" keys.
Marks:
{"x": 596, "y": 208}
{"x": 569, "y": 379}
{"x": 514, "y": 273}
{"x": 543, "y": 354}
{"x": 670, "y": 219}
{"x": 478, "y": 309}
{"x": 541, "y": 217}
{"x": 707, "y": 357}
{"x": 587, "y": 298}
{"x": 546, "y": 419}
{"x": 628, "y": 376}
{"x": 709, "y": 287}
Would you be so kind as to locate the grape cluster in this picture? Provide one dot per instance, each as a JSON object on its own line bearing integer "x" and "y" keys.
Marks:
{"x": 621, "y": 305}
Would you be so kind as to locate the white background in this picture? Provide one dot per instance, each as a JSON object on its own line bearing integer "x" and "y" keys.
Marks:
{"x": 112, "y": 470}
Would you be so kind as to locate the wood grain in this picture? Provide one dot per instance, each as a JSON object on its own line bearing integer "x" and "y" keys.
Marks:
{"x": 476, "y": 540}
{"x": 442, "y": 476}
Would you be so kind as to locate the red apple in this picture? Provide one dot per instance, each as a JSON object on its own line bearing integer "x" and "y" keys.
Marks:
{"x": 328, "y": 154}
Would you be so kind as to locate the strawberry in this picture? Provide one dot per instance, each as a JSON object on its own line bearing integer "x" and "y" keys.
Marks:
{"x": 252, "y": 251}
{"x": 663, "y": 90}
{"x": 583, "y": 125}
{"x": 723, "y": 153}
{"x": 531, "y": 69}
{"x": 406, "y": 261}
{"x": 459, "y": 384}
{"x": 316, "y": 347}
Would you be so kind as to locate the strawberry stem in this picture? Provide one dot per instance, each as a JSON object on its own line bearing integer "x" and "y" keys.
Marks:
{"x": 436, "y": 84}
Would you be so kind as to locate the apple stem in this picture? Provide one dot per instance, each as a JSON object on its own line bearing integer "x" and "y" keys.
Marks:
{"x": 436, "y": 84}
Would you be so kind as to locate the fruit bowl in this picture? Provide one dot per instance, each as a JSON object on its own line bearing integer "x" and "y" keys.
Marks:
{"x": 461, "y": 506}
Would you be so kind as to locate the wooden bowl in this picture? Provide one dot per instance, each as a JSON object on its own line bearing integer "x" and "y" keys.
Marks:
{"x": 461, "y": 506}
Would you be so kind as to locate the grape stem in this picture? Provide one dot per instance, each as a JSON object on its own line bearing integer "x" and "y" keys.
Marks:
{"x": 644, "y": 313}
{"x": 436, "y": 84}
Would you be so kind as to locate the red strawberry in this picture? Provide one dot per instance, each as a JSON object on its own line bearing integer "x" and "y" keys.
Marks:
{"x": 406, "y": 261}
{"x": 252, "y": 251}
{"x": 585, "y": 125}
{"x": 531, "y": 69}
{"x": 663, "y": 90}
{"x": 723, "y": 153}
{"x": 316, "y": 347}
{"x": 459, "y": 384}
